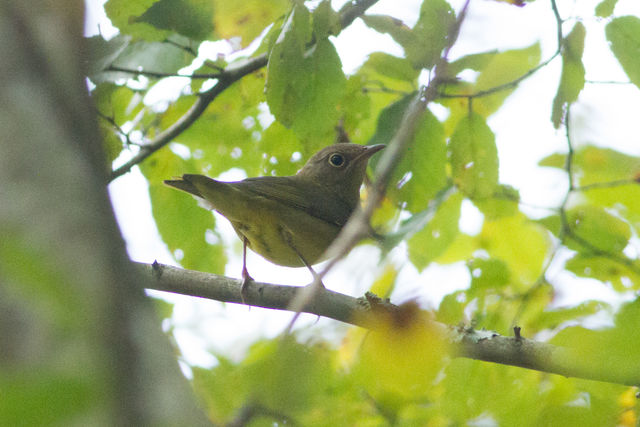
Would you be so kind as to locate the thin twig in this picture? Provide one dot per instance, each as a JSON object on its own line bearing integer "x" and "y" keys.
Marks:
{"x": 158, "y": 74}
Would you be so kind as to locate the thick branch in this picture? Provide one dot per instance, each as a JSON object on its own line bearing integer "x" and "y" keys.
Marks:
{"x": 468, "y": 343}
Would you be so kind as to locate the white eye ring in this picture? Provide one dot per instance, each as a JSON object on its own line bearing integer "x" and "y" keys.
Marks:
{"x": 336, "y": 160}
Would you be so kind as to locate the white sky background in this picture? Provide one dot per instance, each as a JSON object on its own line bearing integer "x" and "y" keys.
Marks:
{"x": 606, "y": 115}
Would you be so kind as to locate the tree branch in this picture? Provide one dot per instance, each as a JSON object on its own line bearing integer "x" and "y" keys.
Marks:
{"x": 487, "y": 346}
{"x": 226, "y": 78}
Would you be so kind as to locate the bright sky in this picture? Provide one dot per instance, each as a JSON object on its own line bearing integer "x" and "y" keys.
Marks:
{"x": 606, "y": 115}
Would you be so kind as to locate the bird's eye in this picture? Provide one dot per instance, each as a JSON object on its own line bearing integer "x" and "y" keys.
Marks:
{"x": 336, "y": 160}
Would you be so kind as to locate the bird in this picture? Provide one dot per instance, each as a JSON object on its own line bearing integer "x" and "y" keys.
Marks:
{"x": 288, "y": 220}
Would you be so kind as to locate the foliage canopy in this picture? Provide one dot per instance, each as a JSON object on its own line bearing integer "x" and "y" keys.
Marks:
{"x": 269, "y": 118}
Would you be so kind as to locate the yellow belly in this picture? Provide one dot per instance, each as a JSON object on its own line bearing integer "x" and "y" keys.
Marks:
{"x": 273, "y": 230}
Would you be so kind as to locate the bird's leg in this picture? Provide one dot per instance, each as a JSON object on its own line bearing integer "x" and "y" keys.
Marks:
{"x": 316, "y": 277}
{"x": 246, "y": 277}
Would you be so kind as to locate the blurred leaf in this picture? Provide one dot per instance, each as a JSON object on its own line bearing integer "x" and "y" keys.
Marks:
{"x": 424, "y": 43}
{"x": 504, "y": 68}
{"x": 594, "y": 168}
{"x": 426, "y": 161}
{"x": 451, "y": 309}
{"x": 421, "y": 173}
{"x": 280, "y": 143}
{"x": 474, "y": 61}
{"x": 388, "y": 121}
{"x": 385, "y": 24}
{"x": 286, "y": 375}
{"x": 552, "y": 318}
{"x": 553, "y": 223}
{"x": 227, "y": 133}
{"x": 520, "y": 243}
{"x": 223, "y": 389}
{"x": 460, "y": 249}
{"x": 604, "y": 9}
{"x": 400, "y": 358}
{"x": 474, "y": 157}
{"x": 621, "y": 277}
{"x": 124, "y": 14}
{"x": 430, "y": 34}
{"x": 355, "y": 108}
{"x": 326, "y": 21}
{"x": 246, "y": 19}
{"x": 439, "y": 232}
{"x": 488, "y": 273}
{"x": 159, "y": 57}
{"x": 385, "y": 282}
{"x": 392, "y": 67}
{"x": 116, "y": 105}
{"x": 191, "y": 18}
{"x": 598, "y": 229}
{"x": 503, "y": 202}
{"x": 304, "y": 87}
{"x": 102, "y": 54}
{"x": 623, "y": 35}
{"x": 67, "y": 396}
{"x": 572, "y": 77}
{"x": 495, "y": 79}
{"x": 182, "y": 224}
{"x": 555, "y": 160}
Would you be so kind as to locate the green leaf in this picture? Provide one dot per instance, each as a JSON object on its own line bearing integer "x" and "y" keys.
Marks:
{"x": 117, "y": 105}
{"x": 246, "y": 19}
{"x": 425, "y": 162}
{"x": 474, "y": 61}
{"x": 604, "y": 9}
{"x": 355, "y": 108}
{"x": 439, "y": 232}
{"x": 607, "y": 178}
{"x": 326, "y": 21}
{"x": 385, "y": 24}
{"x": 102, "y": 53}
{"x": 503, "y": 202}
{"x": 620, "y": 276}
{"x": 392, "y": 67}
{"x": 555, "y": 317}
{"x": 280, "y": 143}
{"x": 191, "y": 18}
{"x": 226, "y": 134}
{"x": 556, "y": 160}
{"x": 123, "y": 15}
{"x": 158, "y": 57}
{"x": 489, "y": 273}
{"x": 598, "y": 229}
{"x": 474, "y": 157}
{"x": 572, "y": 77}
{"x": 424, "y": 43}
{"x": 496, "y": 77}
{"x": 430, "y": 34}
{"x": 623, "y": 35}
{"x": 285, "y": 376}
{"x": 523, "y": 245}
{"x": 303, "y": 87}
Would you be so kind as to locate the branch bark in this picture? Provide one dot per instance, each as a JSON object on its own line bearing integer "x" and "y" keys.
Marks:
{"x": 481, "y": 345}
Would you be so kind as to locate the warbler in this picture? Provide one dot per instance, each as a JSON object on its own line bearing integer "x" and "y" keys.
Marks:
{"x": 289, "y": 220}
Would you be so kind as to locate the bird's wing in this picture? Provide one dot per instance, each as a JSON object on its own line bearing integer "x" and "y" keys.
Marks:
{"x": 294, "y": 192}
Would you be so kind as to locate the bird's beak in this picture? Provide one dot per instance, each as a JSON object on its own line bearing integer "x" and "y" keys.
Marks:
{"x": 370, "y": 151}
